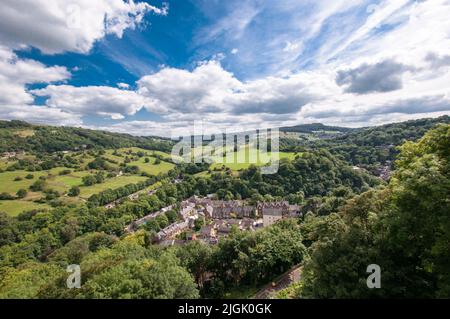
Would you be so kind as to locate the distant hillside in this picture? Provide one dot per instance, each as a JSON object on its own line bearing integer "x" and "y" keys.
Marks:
{"x": 393, "y": 133}
{"x": 315, "y": 127}
{"x": 378, "y": 144}
{"x": 358, "y": 146}
{"x": 22, "y": 136}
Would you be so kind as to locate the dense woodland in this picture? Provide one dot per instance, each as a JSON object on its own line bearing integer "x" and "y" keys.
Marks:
{"x": 350, "y": 219}
{"x": 368, "y": 146}
{"x": 49, "y": 139}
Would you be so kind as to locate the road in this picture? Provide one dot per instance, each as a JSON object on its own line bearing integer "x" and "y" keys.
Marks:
{"x": 283, "y": 281}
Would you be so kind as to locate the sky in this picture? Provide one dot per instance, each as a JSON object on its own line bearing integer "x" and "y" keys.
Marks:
{"x": 157, "y": 67}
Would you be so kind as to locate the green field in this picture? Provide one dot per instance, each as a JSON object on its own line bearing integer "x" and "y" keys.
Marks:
{"x": 109, "y": 155}
{"x": 246, "y": 156}
{"x": 148, "y": 152}
{"x": 5, "y": 163}
{"x": 85, "y": 158}
{"x": 115, "y": 182}
{"x": 151, "y": 168}
{"x": 62, "y": 183}
{"x": 134, "y": 150}
{"x": 8, "y": 185}
{"x": 15, "y": 207}
{"x": 162, "y": 154}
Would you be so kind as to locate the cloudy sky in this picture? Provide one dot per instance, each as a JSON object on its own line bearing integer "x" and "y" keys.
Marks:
{"x": 154, "y": 67}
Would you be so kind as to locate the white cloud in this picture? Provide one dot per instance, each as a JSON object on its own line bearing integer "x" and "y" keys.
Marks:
{"x": 233, "y": 25}
{"x": 124, "y": 86}
{"x": 291, "y": 46}
{"x": 202, "y": 90}
{"x": 55, "y": 26}
{"x": 234, "y": 51}
{"x": 211, "y": 89}
{"x": 15, "y": 73}
{"x": 39, "y": 114}
{"x": 379, "y": 13}
{"x": 93, "y": 100}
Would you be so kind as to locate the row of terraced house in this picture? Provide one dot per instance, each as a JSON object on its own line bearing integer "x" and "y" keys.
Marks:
{"x": 221, "y": 215}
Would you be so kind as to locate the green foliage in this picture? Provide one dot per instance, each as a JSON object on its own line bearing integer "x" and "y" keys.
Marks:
{"x": 405, "y": 229}
{"x": 256, "y": 257}
{"x": 350, "y": 221}
{"x": 38, "y": 185}
{"x": 199, "y": 223}
{"x": 196, "y": 257}
{"x": 21, "y": 193}
{"x": 172, "y": 216}
{"x": 74, "y": 191}
{"x": 47, "y": 139}
{"x": 162, "y": 221}
{"x": 6, "y": 196}
{"x": 129, "y": 270}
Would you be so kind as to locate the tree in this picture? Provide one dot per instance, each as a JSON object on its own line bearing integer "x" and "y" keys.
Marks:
{"x": 196, "y": 256}
{"x": 25, "y": 283}
{"x": 74, "y": 191}
{"x": 21, "y": 193}
{"x": 162, "y": 221}
{"x": 152, "y": 226}
{"x": 253, "y": 258}
{"x": 38, "y": 185}
{"x": 172, "y": 216}
{"x": 89, "y": 180}
{"x": 379, "y": 227}
{"x": 199, "y": 223}
{"x": 6, "y": 196}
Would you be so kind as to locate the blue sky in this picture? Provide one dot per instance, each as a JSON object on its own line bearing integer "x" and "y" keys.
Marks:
{"x": 153, "y": 67}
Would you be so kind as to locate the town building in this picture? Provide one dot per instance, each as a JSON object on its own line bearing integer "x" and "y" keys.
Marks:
{"x": 274, "y": 211}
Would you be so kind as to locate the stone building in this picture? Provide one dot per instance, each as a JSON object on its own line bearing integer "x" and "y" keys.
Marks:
{"x": 274, "y": 211}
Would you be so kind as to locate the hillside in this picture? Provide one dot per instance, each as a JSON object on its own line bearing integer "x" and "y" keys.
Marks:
{"x": 22, "y": 136}
{"x": 315, "y": 127}
{"x": 367, "y": 146}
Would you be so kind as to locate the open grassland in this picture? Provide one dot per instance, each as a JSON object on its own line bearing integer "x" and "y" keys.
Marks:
{"x": 4, "y": 163}
{"x": 84, "y": 159}
{"x": 162, "y": 154}
{"x": 151, "y": 167}
{"x": 129, "y": 150}
{"x": 9, "y": 185}
{"x": 115, "y": 182}
{"x": 246, "y": 156}
{"x": 203, "y": 174}
{"x": 62, "y": 183}
{"x": 15, "y": 207}
{"x": 24, "y": 133}
{"x": 121, "y": 153}
{"x": 109, "y": 155}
